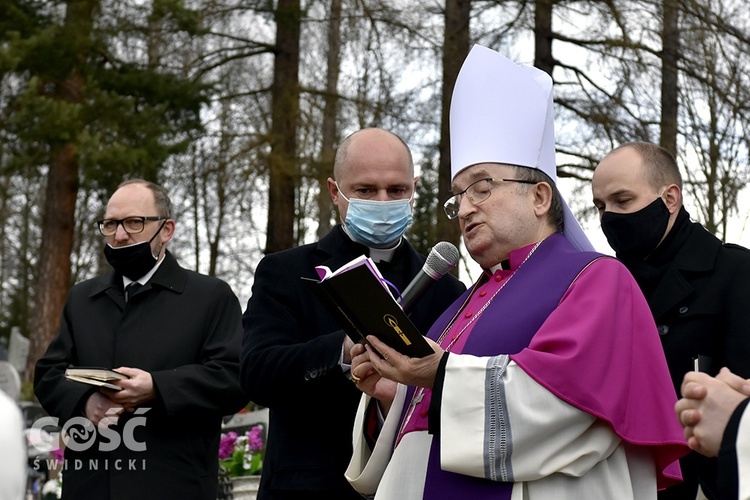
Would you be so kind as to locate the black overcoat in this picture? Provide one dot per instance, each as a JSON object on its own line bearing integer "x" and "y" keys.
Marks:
{"x": 701, "y": 306}
{"x": 290, "y": 363}
{"x": 185, "y": 329}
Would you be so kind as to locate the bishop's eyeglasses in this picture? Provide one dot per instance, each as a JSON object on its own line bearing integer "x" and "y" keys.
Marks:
{"x": 477, "y": 192}
{"x": 131, "y": 225}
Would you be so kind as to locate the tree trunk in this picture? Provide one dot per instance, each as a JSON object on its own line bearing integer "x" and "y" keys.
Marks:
{"x": 543, "y": 36}
{"x": 714, "y": 179}
{"x": 670, "y": 56}
{"x": 58, "y": 224}
{"x": 284, "y": 112}
{"x": 54, "y": 258}
{"x": 194, "y": 195}
{"x": 455, "y": 50}
{"x": 330, "y": 115}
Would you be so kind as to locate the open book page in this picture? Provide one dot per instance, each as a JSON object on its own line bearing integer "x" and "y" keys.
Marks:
{"x": 100, "y": 377}
{"x": 325, "y": 272}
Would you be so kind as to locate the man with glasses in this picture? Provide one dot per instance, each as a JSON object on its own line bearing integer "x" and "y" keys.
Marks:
{"x": 547, "y": 380}
{"x": 295, "y": 357}
{"x": 175, "y": 335}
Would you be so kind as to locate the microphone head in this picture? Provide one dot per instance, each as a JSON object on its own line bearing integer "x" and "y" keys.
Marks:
{"x": 442, "y": 258}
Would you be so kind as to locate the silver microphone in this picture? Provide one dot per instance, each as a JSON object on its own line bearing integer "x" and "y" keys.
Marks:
{"x": 442, "y": 258}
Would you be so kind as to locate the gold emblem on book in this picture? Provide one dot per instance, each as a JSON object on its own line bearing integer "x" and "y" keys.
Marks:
{"x": 393, "y": 323}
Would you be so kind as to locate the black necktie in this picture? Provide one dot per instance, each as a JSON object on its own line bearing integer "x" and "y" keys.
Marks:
{"x": 131, "y": 289}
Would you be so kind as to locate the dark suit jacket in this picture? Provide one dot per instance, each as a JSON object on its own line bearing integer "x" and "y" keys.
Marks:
{"x": 701, "y": 307}
{"x": 290, "y": 363}
{"x": 185, "y": 329}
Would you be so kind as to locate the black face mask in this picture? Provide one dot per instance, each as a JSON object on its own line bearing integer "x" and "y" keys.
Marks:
{"x": 132, "y": 261}
{"x": 636, "y": 235}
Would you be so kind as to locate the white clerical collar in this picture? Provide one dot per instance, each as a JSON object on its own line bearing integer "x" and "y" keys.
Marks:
{"x": 379, "y": 254}
{"x": 143, "y": 279}
{"x": 514, "y": 260}
{"x": 384, "y": 254}
{"x": 497, "y": 267}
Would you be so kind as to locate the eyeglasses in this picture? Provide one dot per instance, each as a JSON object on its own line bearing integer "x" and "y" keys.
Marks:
{"x": 477, "y": 192}
{"x": 131, "y": 225}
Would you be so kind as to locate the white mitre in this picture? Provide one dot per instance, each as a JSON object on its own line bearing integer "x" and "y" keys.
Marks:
{"x": 502, "y": 112}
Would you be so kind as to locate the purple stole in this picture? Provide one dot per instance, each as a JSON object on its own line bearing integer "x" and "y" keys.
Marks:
{"x": 506, "y": 327}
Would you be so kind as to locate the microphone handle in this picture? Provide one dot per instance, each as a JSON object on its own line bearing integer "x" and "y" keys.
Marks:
{"x": 419, "y": 285}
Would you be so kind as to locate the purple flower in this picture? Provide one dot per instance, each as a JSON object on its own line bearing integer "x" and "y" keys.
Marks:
{"x": 57, "y": 454}
{"x": 226, "y": 445}
{"x": 242, "y": 455}
{"x": 254, "y": 438}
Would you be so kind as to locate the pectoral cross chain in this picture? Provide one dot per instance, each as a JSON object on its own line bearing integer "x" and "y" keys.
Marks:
{"x": 417, "y": 399}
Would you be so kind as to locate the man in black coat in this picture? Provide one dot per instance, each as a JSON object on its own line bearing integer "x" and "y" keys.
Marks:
{"x": 295, "y": 356}
{"x": 696, "y": 286}
{"x": 175, "y": 333}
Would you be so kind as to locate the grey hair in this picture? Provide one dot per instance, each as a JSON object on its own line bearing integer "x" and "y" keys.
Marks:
{"x": 555, "y": 214}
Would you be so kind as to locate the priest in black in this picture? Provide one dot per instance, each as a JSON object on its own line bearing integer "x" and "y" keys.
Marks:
{"x": 295, "y": 356}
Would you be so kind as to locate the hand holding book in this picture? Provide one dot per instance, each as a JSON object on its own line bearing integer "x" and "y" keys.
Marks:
{"x": 359, "y": 297}
{"x": 100, "y": 377}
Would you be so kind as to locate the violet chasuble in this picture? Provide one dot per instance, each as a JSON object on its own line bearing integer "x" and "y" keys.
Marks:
{"x": 556, "y": 387}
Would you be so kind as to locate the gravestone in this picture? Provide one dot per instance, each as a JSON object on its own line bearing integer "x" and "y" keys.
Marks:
{"x": 18, "y": 351}
{"x": 10, "y": 381}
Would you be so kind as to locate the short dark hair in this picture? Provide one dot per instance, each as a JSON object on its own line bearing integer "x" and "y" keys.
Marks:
{"x": 661, "y": 164}
{"x": 161, "y": 198}
{"x": 555, "y": 214}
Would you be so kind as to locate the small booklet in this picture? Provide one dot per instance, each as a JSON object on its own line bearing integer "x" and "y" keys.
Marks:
{"x": 359, "y": 297}
{"x": 100, "y": 377}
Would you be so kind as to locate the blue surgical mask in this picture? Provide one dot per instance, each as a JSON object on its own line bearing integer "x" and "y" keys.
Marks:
{"x": 377, "y": 224}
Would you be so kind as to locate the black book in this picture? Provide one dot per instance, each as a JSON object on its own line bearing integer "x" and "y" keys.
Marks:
{"x": 357, "y": 295}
